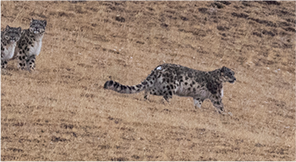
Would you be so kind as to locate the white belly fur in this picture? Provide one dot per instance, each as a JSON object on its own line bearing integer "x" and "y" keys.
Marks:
{"x": 200, "y": 93}
{"x": 9, "y": 51}
{"x": 36, "y": 49}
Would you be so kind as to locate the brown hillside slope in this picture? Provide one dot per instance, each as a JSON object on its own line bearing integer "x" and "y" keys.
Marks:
{"x": 62, "y": 112}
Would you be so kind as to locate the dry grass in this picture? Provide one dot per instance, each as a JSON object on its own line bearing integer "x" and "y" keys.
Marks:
{"x": 61, "y": 111}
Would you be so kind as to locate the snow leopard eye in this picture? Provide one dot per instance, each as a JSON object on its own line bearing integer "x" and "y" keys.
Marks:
{"x": 6, "y": 37}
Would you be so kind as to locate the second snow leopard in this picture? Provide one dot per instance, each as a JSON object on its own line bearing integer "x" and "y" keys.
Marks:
{"x": 9, "y": 38}
{"x": 29, "y": 45}
{"x": 170, "y": 79}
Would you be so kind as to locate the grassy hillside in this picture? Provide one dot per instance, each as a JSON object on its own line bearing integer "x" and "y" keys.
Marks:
{"x": 61, "y": 111}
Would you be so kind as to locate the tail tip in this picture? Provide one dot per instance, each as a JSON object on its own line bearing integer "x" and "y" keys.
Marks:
{"x": 107, "y": 84}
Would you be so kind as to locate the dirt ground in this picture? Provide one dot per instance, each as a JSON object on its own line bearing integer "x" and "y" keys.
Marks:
{"x": 61, "y": 111}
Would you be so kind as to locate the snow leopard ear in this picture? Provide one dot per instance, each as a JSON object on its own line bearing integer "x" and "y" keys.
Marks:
{"x": 19, "y": 29}
{"x": 223, "y": 69}
{"x": 32, "y": 20}
{"x": 44, "y": 22}
{"x": 7, "y": 27}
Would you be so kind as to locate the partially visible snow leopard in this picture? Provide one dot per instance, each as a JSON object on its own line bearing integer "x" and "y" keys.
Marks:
{"x": 29, "y": 45}
{"x": 9, "y": 38}
{"x": 168, "y": 79}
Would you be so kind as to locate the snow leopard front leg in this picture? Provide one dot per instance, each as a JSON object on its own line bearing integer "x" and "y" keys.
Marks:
{"x": 217, "y": 102}
{"x": 21, "y": 60}
{"x": 31, "y": 62}
{"x": 3, "y": 63}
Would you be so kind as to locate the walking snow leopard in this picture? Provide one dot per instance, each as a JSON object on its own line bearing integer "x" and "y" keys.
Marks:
{"x": 170, "y": 79}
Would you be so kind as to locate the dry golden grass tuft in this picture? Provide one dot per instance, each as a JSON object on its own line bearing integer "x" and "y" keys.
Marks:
{"x": 61, "y": 111}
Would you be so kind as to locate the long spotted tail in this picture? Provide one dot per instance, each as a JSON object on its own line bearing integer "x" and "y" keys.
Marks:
{"x": 124, "y": 88}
